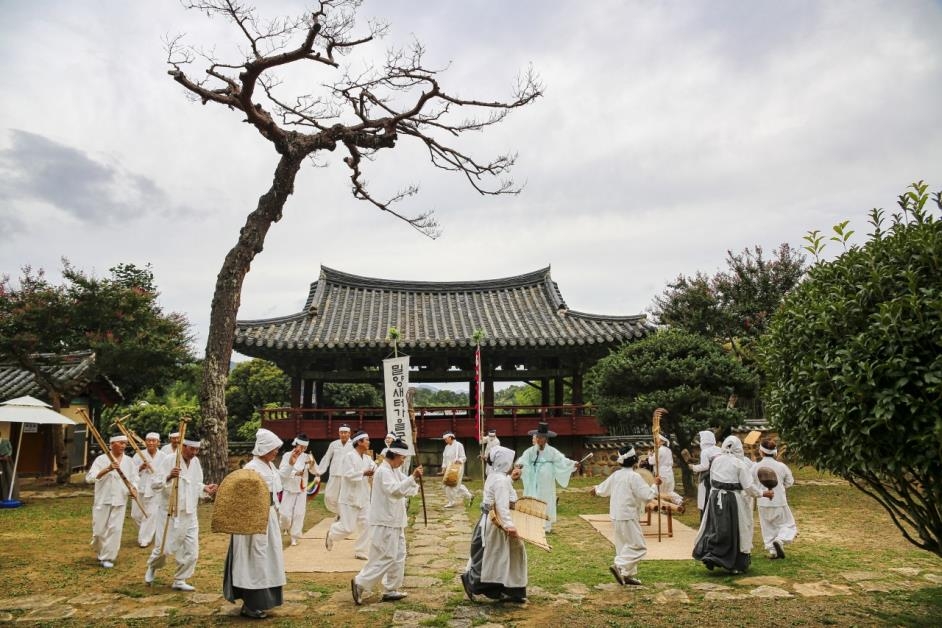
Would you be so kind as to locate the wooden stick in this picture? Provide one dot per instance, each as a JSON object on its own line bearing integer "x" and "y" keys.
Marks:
{"x": 415, "y": 438}
{"x": 101, "y": 443}
{"x": 174, "y": 488}
{"x": 131, "y": 438}
{"x": 656, "y": 431}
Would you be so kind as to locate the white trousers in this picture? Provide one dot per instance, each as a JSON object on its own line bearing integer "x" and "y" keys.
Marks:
{"x": 667, "y": 489}
{"x": 352, "y": 520}
{"x": 455, "y": 494}
{"x": 107, "y": 526}
{"x": 146, "y": 526}
{"x": 387, "y": 560}
{"x": 291, "y": 513}
{"x": 332, "y": 494}
{"x": 630, "y": 547}
{"x": 777, "y": 524}
{"x": 182, "y": 543}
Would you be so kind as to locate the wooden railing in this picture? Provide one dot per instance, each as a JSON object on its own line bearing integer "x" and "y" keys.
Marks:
{"x": 431, "y": 422}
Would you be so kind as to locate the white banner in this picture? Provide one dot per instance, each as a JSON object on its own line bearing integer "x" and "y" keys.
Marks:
{"x": 396, "y": 384}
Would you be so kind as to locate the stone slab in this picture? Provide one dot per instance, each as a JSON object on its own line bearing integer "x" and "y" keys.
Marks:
{"x": 723, "y": 595}
{"x": 857, "y": 576}
{"x": 30, "y": 602}
{"x": 767, "y": 591}
{"x": 710, "y": 586}
{"x": 49, "y": 613}
{"x": 758, "y": 581}
{"x": 821, "y": 589}
{"x": 145, "y": 612}
{"x": 671, "y": 596}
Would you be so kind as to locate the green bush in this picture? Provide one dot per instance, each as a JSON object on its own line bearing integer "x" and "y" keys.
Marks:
{"x": 854, "y": 366}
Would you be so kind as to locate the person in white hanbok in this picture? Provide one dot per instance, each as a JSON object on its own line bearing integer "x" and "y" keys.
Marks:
{"x": 330, "y": 464}
{"x": 542, "y": 467}
{"x": 254, "y": 571}
{"x": 454, "y": 453}
{"x": 490, "y": 442}
{"x": 708, "y": 451}
{"x": 170, "y": 448}
{"x": 725, "y": 535}
{"x": 111, "y": 499}
{"x": 628, "y": 493}
{"x": 356, "y": 469}
{"x": 182, "y": 535}
{"x": 147, "y": 462}
{"x": 388, "y": 520}
{"x": 775, "y": 517}
{"x": 497, "y": 565}
{"x": 665, "y": 470}
{"x": 294, "y": 469}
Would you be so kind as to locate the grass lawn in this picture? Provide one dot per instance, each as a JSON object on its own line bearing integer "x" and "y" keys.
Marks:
{"x": 844, "y": 539}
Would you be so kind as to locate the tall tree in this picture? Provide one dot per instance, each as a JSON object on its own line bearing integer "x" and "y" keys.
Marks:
{"x": 854, "y": 364}
{"x": 361, "y": 113}
{"x": 686, "y": 373}
{"x": 136, "y": 344}
{"x": 732, "y": 307}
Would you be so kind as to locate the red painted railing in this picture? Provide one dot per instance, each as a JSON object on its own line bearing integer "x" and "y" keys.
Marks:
{"x": 432, "y": 422}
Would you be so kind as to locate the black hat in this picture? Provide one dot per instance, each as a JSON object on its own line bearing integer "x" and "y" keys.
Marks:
{"x": 543, "y": 430}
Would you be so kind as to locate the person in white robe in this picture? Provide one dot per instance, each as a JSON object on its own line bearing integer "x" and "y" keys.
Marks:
{"x": 356, "y": 469}
{"x": 178, "y": 535}
{"x": 725, "y": 535}
{"x": 665, "y": 469}
{"x": 147, "y": 462}
{"x": 254, "y": 570}
{"x": 330, "y": 464}
{"x": 497, "y": 565}
{"x": 775, "y": 517}
{"x": 628, "y": 493}
{"x": 454, "y": 453}
{"x": 708, "y": 451}
{"x": 173, "y": 441}
{"x": 542, "y": 467}
{"x": 388, "y": 520}
{"x": 295, "y": 468}
{"x": 490, "y": 442}
{"x": 111, "y": 499}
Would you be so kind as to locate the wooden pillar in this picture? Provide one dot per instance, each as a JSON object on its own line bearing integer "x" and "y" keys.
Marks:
{"x": 472, "y": 393}
{"x": 319, "y": 394}
{"x": 558, "y": 392}
{"x": 489, "y": 393}
{"x": 296, "y": 386}
{"x": 307, "y": 399}
{"x": 544, "y": 391}
{"x": 577, "y": 387}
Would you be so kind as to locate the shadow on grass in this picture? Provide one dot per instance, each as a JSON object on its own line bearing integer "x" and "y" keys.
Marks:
{"x": 922, "y": 608}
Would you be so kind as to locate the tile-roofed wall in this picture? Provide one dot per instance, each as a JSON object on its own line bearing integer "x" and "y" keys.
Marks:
{"x": 73, "y": 371}
{"x": 346, "y": 311}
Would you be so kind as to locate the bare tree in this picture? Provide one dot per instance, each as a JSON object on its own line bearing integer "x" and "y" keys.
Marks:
{"x": 360, "y": 112}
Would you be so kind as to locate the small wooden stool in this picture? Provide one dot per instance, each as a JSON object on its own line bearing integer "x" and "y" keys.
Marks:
{"x": 652, "y": 507}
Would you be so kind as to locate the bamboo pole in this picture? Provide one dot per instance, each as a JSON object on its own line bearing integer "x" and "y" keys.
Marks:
{"x": 656, "y": 432}
{"x": 415, "y": 443}
{"x": 107, "y": 449}
{"x": 174, "y": 488}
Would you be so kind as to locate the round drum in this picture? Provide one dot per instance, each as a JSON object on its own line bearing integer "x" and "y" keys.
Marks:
{"x": 452, "y": 474}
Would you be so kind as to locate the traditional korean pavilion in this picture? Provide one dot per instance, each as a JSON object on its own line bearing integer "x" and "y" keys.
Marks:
{"x": 531, "y": 335}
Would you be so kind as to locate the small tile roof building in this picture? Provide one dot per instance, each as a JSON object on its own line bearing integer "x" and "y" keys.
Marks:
{"x": 530, "y": 333}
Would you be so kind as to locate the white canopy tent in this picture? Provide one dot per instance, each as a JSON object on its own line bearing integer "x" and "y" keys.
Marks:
{"x": 28, "y": 410}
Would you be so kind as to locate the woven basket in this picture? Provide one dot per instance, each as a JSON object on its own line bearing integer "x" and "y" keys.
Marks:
{"x": 242, "y": 503}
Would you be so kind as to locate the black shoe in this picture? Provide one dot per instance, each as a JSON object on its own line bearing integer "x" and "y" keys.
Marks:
{"x": 394, "y": 596}
{"x": 467, "y": 586}
{"x": 709, "y": 564}
{"x": 779, "y": 549}
{"x": 513, "y": 599}
{"x": 632, "y": 580}
{"x": 357, "y": 591}
{"x": 252, "y": 613}
{"x": 617, "y": 573}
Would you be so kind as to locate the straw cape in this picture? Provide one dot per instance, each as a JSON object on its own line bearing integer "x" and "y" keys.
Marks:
{"x": 242, "y": 502}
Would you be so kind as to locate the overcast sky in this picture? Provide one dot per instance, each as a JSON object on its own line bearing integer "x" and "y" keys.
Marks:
{"x": 669, "y": 133}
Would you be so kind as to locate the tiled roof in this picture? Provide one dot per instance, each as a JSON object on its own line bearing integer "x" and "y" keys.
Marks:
{"x": 72, "y": 371}
{"x": 346, "y": 311}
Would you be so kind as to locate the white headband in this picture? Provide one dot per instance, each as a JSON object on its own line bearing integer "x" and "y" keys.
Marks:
{"x": 192, "y": 443}
{"x": 174, "y": 435}
{"x": 152, "y": 435}
{"x": 626, "y": 455}
{"x": 359, "y": 437}
{"x": 121, "y": 438}
{"x": 447, "y": 434}
{"x": 298, "y": 441}
{"x": 771, "y": 452}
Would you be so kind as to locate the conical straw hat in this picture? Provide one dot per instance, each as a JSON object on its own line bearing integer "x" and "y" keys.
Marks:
{"x": 242, "y": 503}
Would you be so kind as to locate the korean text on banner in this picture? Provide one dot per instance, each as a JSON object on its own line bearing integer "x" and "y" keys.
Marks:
{"x": 396, "y": 384}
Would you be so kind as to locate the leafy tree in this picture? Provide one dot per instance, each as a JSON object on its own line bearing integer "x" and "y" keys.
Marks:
{"x": 854, "y": 364}
{"x": 352, "y": 396}
{"x": 143, "y": 417}
{"x": 732, "y": 307}
{"x": 252, "y": 385}
{"x": 518, "y": 395}
{"x": 136, "y": 344}
{"x": 361, "y": 111}
{"x": 689, "y": 375}
{"x": 426, "y": 397}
